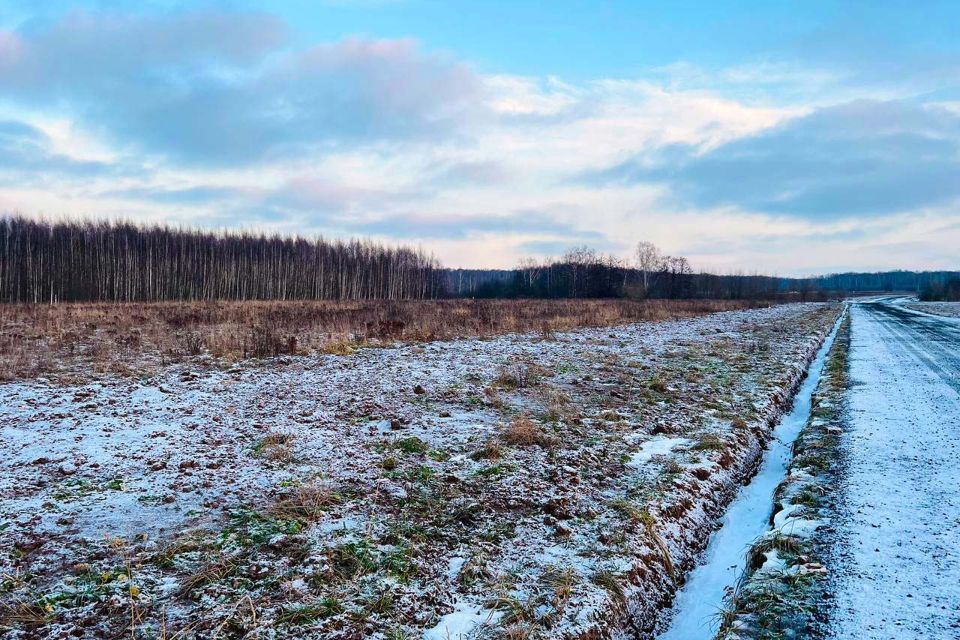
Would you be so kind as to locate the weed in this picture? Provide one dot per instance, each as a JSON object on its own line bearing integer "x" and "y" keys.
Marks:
{"x": 656, "y": 383}
{"x": 809, "y": 496}
{"x": 421, "y": 474}
{"x": 250, "y": 528}
{"x": 438, "y": 455}
{"x": 515, "y": 377}
{"x": 491, "y": 450}
{"x": 710, "y": 442}
{"x": 776, "y": 541}
{"x": 495, "y": 470}
{"x": 512, "y": 609}
{"x": 524, "y": 432}
{"x": 562, "y": 583}
{"x": 305, "y": 503}
{"x": 339, "y": 347}
{"x": 77, "y": 488}
{"x": 166, "y": 555}
{"x": 412, "y": 445}
{"x": 276, "y": 446}
{"x": 325, "y": 608}
{"x": 610, "y": 581}
{"x": 398, "y": 562}
{"x": 209, "y": 573}
{"x": 628, "y": 509}
{"x": 351, "y": 560}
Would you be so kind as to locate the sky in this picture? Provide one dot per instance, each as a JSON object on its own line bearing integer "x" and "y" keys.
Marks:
{"x": 788, "y": 138}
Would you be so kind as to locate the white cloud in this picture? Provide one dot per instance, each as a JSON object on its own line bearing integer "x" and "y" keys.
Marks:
{"x": 366, "y": 135}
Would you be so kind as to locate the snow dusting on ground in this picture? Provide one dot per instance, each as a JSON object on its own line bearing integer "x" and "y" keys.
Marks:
{"x": 554, "y": 486}
{"x": 946, "y": 309}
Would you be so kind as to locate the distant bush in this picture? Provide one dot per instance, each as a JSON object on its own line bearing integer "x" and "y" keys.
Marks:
{"x": 947, "y": 291}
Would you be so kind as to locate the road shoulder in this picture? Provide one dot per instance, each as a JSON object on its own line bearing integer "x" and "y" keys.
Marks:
{"x": 783, "y": 591}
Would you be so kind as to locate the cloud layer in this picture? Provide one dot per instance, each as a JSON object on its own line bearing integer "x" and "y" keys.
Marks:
{"x": 863, "y": 158}
{"x": 233, "y": 119}
{"x": 226, "y": 88}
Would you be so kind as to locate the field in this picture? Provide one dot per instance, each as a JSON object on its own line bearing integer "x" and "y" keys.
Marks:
{"x": 71, "y": 341}
{"x": 552, "y": 483}
{"x": 948, "y": 309}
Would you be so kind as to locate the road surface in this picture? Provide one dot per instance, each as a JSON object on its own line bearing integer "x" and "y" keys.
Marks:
{"x": 896, "y": 565}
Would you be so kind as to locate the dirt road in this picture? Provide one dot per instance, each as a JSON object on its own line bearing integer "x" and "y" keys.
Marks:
{"x": 897, "y": 553}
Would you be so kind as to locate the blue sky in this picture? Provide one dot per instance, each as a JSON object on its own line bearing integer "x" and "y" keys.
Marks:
{"x": 786, "y": 137}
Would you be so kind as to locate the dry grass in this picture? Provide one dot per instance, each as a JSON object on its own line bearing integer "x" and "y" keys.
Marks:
{"x": 491, "y": 450}
{"x": 305, "y": 503}
{"x": 211, "y": 572}
{"x": 524, "y": 432}
{"x": 276, "y": 446}
{"x": 26, "y": 614}
{"x": 131, "y": 338}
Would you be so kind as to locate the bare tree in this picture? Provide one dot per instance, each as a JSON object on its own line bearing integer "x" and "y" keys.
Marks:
{"x": 123, "y": 262}
{"x": 650, "y": 262}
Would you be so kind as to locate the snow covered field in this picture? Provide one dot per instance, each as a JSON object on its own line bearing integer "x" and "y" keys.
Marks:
{"x": 515, "y": 486}
{"x": 948, "y": 309}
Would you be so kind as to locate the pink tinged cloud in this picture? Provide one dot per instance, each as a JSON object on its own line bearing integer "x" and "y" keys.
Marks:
{"x": 164, "y": 85}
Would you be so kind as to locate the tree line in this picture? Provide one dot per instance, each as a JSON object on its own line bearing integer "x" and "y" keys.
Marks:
{"x": 124, "y": 262}
{"x": 584, "y": 273}
{"x": 44, "y": 261}
{"x": 886, "y": 281}
{"x": 948, "y": 290}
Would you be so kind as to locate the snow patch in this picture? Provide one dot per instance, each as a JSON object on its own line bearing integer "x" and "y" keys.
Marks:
{"x": 655, "y": 446}
{"x": 462, "y": 622}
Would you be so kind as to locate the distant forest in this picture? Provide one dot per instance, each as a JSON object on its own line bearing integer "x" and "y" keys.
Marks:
{"x": 42, "y": 262}
{"x": 123, "y": 262}
{"x": 948, "y": 290}
{"x": 584, "y": 273}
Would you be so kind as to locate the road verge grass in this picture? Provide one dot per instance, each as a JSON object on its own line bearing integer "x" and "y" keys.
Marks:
{"x": 781, "y": 592}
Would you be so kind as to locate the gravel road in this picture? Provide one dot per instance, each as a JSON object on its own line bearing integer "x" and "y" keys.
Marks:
{"x": 897, "y": 550}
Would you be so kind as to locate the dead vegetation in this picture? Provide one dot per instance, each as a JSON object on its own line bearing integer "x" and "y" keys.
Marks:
{"x": 781, "y": 592}
{"x": 73, "y": 339}
{"x": 427, "y": 500}
{"x": 276, "y": 446}
{"x": 524, "y": 432}
{"x": 305, "y": 503}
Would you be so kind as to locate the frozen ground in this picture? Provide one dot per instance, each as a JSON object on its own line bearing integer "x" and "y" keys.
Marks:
{"x": 518, "y": 485}
{"x": 896, "y": 570}
{"x": 948, "y": 309}
{"x": 697, "y": 603}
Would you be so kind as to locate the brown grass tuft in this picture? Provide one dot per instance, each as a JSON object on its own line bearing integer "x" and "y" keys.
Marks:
{"x": 524, "y": 432}
{"x": 305, "y": 503}
{"x": 276, "y": 446}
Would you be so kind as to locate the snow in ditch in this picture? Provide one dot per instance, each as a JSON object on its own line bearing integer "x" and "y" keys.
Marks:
{"x": 698, "y": 602}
